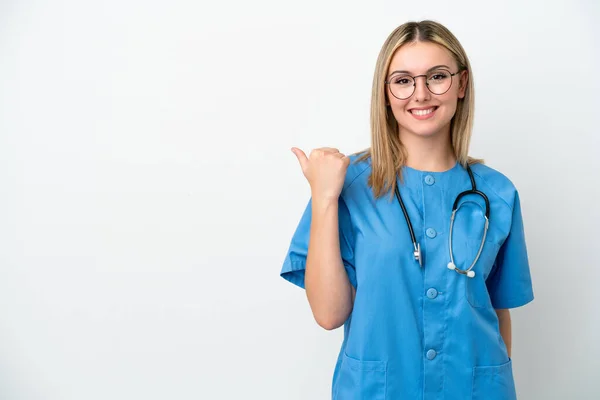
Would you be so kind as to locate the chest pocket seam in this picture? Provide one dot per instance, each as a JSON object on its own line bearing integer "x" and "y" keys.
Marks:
{"x": 476, "y": 292}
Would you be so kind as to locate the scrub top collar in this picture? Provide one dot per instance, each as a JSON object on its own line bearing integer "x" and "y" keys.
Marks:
{"x": 413, "y": 178}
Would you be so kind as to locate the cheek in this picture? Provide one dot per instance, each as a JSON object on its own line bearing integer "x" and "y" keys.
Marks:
{"x": 450, "y": 107}
{"x": 397, "y": 108}
{"x": 448, "y": 101}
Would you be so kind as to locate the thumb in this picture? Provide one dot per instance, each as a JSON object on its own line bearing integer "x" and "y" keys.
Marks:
{"x": 302, "y": 159}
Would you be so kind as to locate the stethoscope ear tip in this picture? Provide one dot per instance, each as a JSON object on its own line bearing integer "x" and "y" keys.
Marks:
{"x": 470, "y": 273}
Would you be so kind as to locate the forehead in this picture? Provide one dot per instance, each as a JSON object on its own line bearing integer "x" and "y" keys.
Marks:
{"x": 420, "y": 56}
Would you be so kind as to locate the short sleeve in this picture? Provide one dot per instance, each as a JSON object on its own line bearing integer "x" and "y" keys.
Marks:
{"x": 509, "y": 283}
{"x": 294, "y": 264}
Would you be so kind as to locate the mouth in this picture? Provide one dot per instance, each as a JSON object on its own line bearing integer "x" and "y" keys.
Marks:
{"x": 423, "y": 114}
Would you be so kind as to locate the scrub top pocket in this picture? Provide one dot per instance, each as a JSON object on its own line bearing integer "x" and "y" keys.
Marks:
{"x": 494, "y": 382}
{"x": 476, "y": 290}
{"x": 359, "y": 380}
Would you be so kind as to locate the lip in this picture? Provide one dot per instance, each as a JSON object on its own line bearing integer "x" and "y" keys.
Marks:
{"x": 422, "y": 108}
{"x": 422, "y": 117}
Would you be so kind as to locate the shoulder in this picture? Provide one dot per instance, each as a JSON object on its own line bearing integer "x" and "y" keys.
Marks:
{"x": 496, "y": 182}
{"x": 357, "y": 170}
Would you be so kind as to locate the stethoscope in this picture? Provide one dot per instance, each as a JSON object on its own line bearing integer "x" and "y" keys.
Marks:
{"x": 451, "y": 265}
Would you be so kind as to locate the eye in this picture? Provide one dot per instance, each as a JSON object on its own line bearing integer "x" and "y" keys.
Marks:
{"x": 438, "y": 76}
{"x": 402, "y": 80}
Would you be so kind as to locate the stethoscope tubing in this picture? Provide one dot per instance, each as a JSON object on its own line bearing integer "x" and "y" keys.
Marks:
{"x": 417, "y": 247}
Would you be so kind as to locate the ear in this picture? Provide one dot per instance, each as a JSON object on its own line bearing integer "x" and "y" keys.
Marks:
{"x": 464, "y": 78}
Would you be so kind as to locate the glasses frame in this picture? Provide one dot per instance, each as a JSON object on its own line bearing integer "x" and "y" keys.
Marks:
{"x": 414, "y": 78}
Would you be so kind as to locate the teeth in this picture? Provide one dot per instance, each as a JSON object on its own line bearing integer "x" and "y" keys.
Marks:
{"x": 423, "y": 112}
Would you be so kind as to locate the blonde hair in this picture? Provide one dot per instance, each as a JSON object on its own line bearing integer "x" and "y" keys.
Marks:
{"x": 387, "y": 152}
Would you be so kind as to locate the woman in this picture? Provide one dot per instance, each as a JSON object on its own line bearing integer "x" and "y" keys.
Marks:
{"x": 424, "y": 318}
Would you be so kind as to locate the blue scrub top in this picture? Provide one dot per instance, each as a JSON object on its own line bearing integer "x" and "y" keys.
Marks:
{"x": 425, "y": 333}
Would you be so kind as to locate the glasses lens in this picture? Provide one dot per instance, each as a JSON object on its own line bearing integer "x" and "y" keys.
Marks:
{"x": 402, "y": 86}
{"x": 439, "y": 81}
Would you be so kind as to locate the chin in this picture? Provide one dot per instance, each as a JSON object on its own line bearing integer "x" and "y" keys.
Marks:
{"x": 422, "y": 131}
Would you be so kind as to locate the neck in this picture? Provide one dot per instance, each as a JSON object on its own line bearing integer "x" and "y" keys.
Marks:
{"x": 432, "y": 153}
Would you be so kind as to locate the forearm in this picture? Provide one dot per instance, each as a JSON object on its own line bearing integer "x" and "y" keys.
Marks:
{"x": 327, "y": 285}
{"x": 505, "y": 327}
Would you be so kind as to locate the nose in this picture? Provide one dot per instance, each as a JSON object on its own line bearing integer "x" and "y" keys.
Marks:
{"x": 421, "y": 91}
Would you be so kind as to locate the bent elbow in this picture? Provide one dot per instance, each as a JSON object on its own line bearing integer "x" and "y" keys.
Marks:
{"x": 330, "y": 323}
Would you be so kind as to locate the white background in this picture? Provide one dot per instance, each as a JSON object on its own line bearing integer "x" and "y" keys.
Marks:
{"x": 148, "y": 193}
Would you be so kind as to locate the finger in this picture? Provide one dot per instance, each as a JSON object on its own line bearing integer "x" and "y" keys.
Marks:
{"x": 329, "y": 149}
{"x": 302, "y": 159}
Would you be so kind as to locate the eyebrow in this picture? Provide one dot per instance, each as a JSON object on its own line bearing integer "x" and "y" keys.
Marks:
{"x": 408, "y": 72}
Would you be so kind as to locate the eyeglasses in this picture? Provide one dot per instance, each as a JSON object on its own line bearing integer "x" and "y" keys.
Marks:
{"x": 439, "y": 81}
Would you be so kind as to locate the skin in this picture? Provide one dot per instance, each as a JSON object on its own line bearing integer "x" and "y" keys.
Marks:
{"x": 505, "y": 327}
{"x": 328, "y": 288}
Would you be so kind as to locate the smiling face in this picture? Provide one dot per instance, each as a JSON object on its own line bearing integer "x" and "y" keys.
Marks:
{"x": 424, "y": 113}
